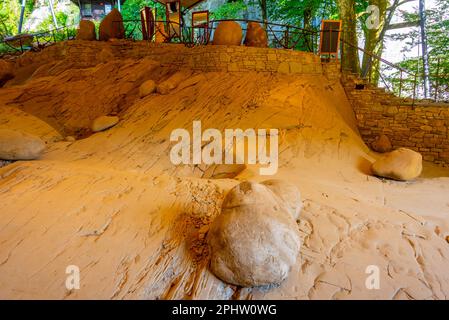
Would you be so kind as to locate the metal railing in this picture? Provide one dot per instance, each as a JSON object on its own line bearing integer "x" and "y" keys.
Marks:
{"x": 35, "y": 41}
{"x": 279, "y": 35}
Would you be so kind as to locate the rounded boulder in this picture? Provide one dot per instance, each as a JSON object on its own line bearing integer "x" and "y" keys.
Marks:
{"x": 86, "y": 31}
{"x": 402, "y": 164}
{"x": 228, "y": 33}
{"x": 112, "y": 26}
{"x": 18, "y": 145}
{"x": 256, "y": 36}
{"x": 254, "y": 241}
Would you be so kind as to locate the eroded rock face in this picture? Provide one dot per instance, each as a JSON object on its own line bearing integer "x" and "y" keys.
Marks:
{"x": 86, "y": 31}
{"x": 254, "y": 241}
{"x": 256, "y": 36}
{"x": 104, "y": 122}
{"x": 382, "y": 144}
{"x": 6, "y": 72}
{"x": 402, "y": 164}
{"x": 147, "y": 88}
{"x": 112, "y": 26}
{"x": 17, "y": 145}
{"x": 288, "y": 193}
{"x": 228, "y": 33}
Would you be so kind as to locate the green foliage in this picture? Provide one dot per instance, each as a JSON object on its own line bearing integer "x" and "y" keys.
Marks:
{"x": 47, "y": 24}
{"x": 9, "y": 15}
{"x": 437, "y": 36}
{"x": 131, "y": 9}
{"x": 230, "y": 10}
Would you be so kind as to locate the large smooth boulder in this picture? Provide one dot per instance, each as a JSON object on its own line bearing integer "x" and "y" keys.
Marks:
{"x": 401, "y": 164}
{"x": 112, "y": 26}
{"x": 86, "y": 31}
{"x": 17, "y": 145}
{"x": 147, "y": 88}
{"x": 382, "y": 144}
{"x": 228, "y": 33}
{"x": 288, "y": 193}
{"x": 254, "y": 241}
{"x": 104, "y": 122}
{"x": 256, "y": 36}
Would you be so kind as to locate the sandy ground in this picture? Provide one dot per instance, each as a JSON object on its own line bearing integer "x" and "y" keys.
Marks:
{"x": 114, "y": 205}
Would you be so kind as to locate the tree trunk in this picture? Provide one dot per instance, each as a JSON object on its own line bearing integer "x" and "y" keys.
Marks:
{"x": 374, "y": 41}
{"x": 308, "y": 39}
{"x": 350, "y": 60}
{"x": 264, "y": 10}
{"x": 425, "y": 57}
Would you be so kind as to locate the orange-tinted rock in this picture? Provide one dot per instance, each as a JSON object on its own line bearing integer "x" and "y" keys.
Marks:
{"x": 382, "y": 144}
{"x": 86, "y": 31}
{"x": 112, "y": 26}
{"x": 256, "y": 36}
{"x": 228, "y": 33}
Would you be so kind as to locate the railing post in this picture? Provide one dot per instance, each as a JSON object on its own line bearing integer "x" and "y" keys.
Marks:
{"x": 414, "y": 90}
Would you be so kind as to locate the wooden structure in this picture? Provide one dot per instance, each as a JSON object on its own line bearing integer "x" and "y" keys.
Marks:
{"x": 97, "y": 9}
{"x": 330, "y": 38}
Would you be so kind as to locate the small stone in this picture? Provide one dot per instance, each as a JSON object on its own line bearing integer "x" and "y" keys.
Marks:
{"x": 147, "y": 88}
{"x": 70, "y": 139}
{"x": 104, "y": 122}
{"x": 17, "y": 145}
{"x": 382, "y": 144}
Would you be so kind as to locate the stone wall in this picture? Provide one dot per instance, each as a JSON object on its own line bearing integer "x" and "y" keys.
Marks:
{"x": 202, "y": 58}
{"x": 419, "y": 126}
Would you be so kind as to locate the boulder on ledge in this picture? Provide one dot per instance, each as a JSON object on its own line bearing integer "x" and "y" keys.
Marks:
{"x": 256, "y": 36}
{"x": 228, "y": 33}
{"x": 112, "y": 26}
{"x": 86, "y": 31}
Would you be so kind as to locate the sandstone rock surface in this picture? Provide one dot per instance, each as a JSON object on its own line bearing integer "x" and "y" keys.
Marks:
{"x": 288, "y": 193}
